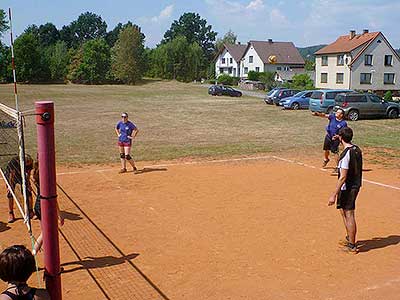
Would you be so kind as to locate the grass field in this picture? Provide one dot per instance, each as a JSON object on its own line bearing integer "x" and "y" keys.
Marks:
{"x": 178, "y": 120}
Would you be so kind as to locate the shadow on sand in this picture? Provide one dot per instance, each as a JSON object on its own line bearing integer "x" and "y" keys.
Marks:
{"x": 4, "y": 226}
{"x": 377, "y": 243}
{"x": 71, "y": 216}
{"x": 148, "y": 170}
{"x": 97, "y": 262}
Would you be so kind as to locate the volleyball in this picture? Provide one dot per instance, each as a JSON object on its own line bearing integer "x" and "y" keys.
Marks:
{"x": 272, "y": 59}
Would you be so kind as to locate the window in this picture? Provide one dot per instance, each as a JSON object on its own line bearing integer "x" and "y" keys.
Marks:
{"x": 375, "y": 99}
{"x": 324, "y": 60}
{"x": 388, "y": 78}
{"x": 368, "y": 60}
{"x": 279, "y": 68}
{"x": 365, "y": 78}
{"x": 286, "y": 68}
{"x": 246, "y": 70}
{"x": 388, "y": 60}
{"x": 324, "y": 77}
{"x": 234, "y": 71}
{"x": 354, "y": 98}
{"x": 339, "y": 77}
{"x": 257, "y": 69}
{"x": 231, "y": 60}
{"x": 250, "y": 59}
{"x": 223, "y": 60}
{"x": 340, "y": 60}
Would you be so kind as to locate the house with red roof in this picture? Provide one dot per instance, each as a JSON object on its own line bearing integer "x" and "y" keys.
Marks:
{"x": 364, "y": 61}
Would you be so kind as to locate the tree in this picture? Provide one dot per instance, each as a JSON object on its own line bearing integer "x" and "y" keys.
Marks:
{"x": 5, "y": 64}
{"x": 302, "y": 82}
{"x": 27, "y": 57}
{"x": 87, "y": 27}
{"x": 229, "y": 38}
{"x": 128, "y": 55}
{"x": 92, "y": 63}
{"x": 58, "y": 61}
{"x": 268, "y": 78}
{"x": 112, "y": 36}
{"x": 3, "y": 22}
{"x": 48, "y": 34}
{"x": 177, "y": 59}
{"x": 195, "y": 30}
{"x": 309, "y": 65}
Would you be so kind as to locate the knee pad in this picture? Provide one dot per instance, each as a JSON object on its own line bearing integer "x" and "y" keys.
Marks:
{"x": 122, "y": 155}
{"x": 128, "y": 157}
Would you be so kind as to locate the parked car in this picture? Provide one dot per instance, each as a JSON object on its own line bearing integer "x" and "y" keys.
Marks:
{"x": 300, "y": 100}
{"x": 219, "y": 90}
{"x": 361, "y": 105}
{"x": 278, "y": 95}
{"x": 324, "y": 100}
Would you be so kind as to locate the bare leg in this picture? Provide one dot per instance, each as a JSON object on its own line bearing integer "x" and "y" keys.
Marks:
{"x": 326, "y": 154}
{"x": 130, "y": 161}
{"x": 11, "y": 217}
{"x": 123, "y": 160}
{"x": 344, "y": 221}
{"x": 38, "y": 244}
{"x": 351, "y": 225}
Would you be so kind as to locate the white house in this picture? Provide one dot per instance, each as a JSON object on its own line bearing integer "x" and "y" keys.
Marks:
{"x": 228, "y": 60}
{"x": 256, "y": 57}
{"x": 364, "y": 61}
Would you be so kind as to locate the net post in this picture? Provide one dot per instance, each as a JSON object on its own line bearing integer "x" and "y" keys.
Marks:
{"x": 48, "y": 190}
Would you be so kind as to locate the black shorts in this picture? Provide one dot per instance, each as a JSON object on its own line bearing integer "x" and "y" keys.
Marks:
{"x": 10, "y": 196}
{"x": 347, "y": 199}
{"x": 331, "y": 145}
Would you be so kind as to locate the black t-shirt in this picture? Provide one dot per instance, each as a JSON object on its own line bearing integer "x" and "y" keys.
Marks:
{"x": 354, "y": 174}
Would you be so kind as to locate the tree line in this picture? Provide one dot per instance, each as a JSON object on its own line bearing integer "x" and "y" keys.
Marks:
{"x": 85, "y": 52}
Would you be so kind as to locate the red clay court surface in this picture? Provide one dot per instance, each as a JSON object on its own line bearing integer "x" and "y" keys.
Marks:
{"x": 234, "y": 229}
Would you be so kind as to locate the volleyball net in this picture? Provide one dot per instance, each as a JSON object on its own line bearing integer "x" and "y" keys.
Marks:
{"x": 15, "y": 163}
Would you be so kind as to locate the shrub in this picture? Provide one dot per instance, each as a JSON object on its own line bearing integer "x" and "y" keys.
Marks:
{"x": 388, "y": 96}
{"x": 253, "y": 75}
{"x": 227, "y": 80}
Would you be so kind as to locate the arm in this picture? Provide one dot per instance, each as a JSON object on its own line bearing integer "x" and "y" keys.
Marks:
{"x": 135, "y": 132}
{"x": 60, "y": 216}
{"x": 117, "y": 131}
{"x": 318, "y": 114}
{"x": 340, "y": 182}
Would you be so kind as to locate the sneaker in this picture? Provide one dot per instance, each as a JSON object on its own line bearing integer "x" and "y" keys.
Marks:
{"x": 335, "y": 172}
{"x": 350, "y": 248}
{"x": 11, "y": 217}
{"x": 325, "y": 162}
{"x": 122, "y": 171}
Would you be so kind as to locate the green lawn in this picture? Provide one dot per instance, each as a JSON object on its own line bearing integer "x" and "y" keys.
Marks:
{"x": 180, "y": 120}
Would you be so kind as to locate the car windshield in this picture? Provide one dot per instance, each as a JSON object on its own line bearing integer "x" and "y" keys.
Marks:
{"x": 271, "y": 92}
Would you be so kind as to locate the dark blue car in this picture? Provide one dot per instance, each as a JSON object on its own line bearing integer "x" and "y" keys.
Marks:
{"x": 298, "y": 101}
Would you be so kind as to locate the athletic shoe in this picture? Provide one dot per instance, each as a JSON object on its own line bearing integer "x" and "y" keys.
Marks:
{"x": 350, "y": 248}
{"x": 122, "y": 171}
{"x": 325, "y": 162}
{"x": 11, "y": 217}
{"x": 344, "y": 242}
{"x": 335, "y": 171}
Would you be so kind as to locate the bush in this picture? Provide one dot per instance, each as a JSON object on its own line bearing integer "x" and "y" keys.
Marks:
{"x": 388, "y": 96}
{"x": 253, "y": 75}
{"x": 227, "y": 80}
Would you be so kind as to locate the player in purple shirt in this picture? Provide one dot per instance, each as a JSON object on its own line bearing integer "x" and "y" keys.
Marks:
{"x": 126, "y": 132}
{"x": 331, "y": 142}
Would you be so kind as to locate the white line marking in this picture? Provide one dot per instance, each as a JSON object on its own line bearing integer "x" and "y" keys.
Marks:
{"x": 231, "y": 160}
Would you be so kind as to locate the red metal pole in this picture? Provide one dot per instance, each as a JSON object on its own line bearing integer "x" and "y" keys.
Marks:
{"x": 48, "y": 191}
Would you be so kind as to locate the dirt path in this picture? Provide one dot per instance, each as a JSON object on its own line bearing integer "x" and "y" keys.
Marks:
{"x": 244, "y": 229}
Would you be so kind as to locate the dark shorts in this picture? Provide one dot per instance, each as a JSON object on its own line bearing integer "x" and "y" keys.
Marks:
{"x": 347, "y": 199}
{"x": 331, "y": 145}
{"x": 124, "y": 144}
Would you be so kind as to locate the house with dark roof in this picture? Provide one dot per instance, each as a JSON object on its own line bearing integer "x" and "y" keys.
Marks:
{"x": 364, "y": 61}
{"x": 228, "y": 60}
{"x": 258, "y": 54}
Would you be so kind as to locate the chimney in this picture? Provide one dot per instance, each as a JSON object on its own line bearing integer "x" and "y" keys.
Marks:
{"x": 352, "y": 34}
{"x": 365, "y": 31}
{"x": 269, "y": 40}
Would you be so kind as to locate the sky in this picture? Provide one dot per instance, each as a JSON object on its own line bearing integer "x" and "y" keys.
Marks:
{"x": 305, "y": 23}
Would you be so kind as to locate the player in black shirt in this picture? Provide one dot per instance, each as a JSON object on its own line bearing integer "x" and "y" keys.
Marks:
{"x": 348, "y": 186}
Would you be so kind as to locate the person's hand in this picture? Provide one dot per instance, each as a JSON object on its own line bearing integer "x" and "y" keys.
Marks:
{"x": 335, "y": 137}
{"x": 332, "y": 200}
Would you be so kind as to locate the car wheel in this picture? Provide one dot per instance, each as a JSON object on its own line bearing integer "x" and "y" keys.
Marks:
{"x": 330, "y": 110}
{"x": 295, "y": 106}
{"x": 354, "y": 115}
{"x": 393, "y": 113}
